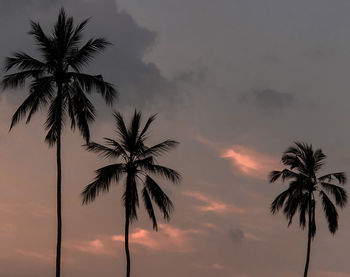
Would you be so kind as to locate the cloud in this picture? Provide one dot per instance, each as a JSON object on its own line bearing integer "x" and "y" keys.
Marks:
{"x": 98, "y": 246}
{"x": 212, "y": 204}
{"x": 168, "y": 238}
{"x": 36, "y": 255}
{"x": 139, "y": 82}
{"x": 237, "y": 235}
{"x": 250, "y": 162}
{"x": 268, "y": 99}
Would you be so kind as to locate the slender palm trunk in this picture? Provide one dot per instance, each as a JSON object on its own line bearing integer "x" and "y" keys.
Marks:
{"x": 59, "y": 196}
{"x": 59, "y": 211}
{"x": 127, "y": 252}
{"x": 308, "y": 238}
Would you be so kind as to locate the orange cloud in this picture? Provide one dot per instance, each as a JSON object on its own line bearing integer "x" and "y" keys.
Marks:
{"x": 168, "y": 238}
{"x": 250, "y": 162}
{"x": 212, "y": 205}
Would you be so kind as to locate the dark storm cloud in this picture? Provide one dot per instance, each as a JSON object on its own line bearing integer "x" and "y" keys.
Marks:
{"x": 268, "y": 99}
{"x": 140, "y": 83}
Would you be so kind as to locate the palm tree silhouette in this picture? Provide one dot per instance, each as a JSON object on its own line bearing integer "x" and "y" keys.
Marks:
{"x": 57, "y": 81}
{"x": 304, "y": 163}
{"x": 137, "y": 163}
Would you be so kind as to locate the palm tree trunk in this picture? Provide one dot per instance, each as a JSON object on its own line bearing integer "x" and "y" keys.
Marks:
{"x": 308, "y": 238}
{"x": 59, "y": 195}
{"x": 127, "y": 252}
{"x": 59, "y": 211}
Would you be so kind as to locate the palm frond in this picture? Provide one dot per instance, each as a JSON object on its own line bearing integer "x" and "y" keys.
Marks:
{"x": 149, "y": 207}
{"x": 277, "y": 204}
{"x": 159, "y": 197}
{"x": 116, "y": 145}
{"x": 165, "y": 172}
{"x": 284, "y": 174}
{"x": 330, "y": 212}
{"x": 40, "y": 93}
{"x": 340, "y": 195}
{"x": 292, "y": 204}
{"x": 303, "y": 209}
{"x": 339, "y": 176}
{"x": 83, "y": 110}
{"x": 81, "y": 57}
{"x": 102, "y": 150}
{"x": 134, "y": 127}
{"x": 77, "y": 34}
{"x": 18, "y": 79}
{"x": 121, "y": 130}
{"x": 23, "y": 61}
{"x": 95, "y": 82}
{"x": 102, "y": 182}
{"x": 55, "y": 120}
{"x": 146, "y": 127}
{"x": 160, "y": 148}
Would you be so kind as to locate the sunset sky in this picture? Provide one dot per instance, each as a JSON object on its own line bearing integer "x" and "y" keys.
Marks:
{"x": 235, "y": 82}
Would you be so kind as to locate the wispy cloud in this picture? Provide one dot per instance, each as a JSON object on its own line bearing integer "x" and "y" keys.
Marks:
{"x": 249, "y": 161}
{"x": 36, "y": 255}
{"x": 168, "y": 238}
{"x": 211, "y": 204}
{"x": 244, "y": 160}
{"x": 98, "y": 246}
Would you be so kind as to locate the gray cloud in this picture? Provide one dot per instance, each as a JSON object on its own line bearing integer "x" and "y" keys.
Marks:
{"x": 140, "y": 83}
{"x": 268, "y": 99}
{"x": 236, "y": 235}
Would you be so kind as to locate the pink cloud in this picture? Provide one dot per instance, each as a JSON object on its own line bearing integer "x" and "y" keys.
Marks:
{"x": 212, "y": 204}
{"x": 36, "y": 255}
{"x": 168, "y": 238}
{"x": 98, "y": 246}
{"x": 244, "y": 160}
{"x": 250, "y": 162}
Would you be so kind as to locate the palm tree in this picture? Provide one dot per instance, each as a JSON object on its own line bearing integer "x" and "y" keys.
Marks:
{"x": 56, "y": 81}
{"x": 137, "y": 163}
{"x": 303, "y": 164}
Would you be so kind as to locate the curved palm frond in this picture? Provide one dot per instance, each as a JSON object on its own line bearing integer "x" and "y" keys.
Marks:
{"x": 149, "y": 207}
{"x": 161, "y": 199}
{"x": 165, "y": 172}
{"x": 278, "y": 203}
{"x": 133, "y": 130}
{"x": 81, "y": 57}
{"x": 23, "y": 61}
{"x": 82, "y": 110}
{"x": 330, "y": 212}
{"x": 102, "y": 150}
{"x": 102, "y": 182}
{"x": 160, "y": 148}
{"x": 116, "y": 145}
{"x": 95, "y": 82}
{"x": 340, "y": 195}
{"x": 18, "y": 79}
{"x": 284, "y": 174}
{"x": 339, "y": 176}
{"x": 142, "y": 136}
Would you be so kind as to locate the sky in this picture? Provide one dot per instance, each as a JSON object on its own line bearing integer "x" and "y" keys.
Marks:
{"x": 235, "y": 82}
